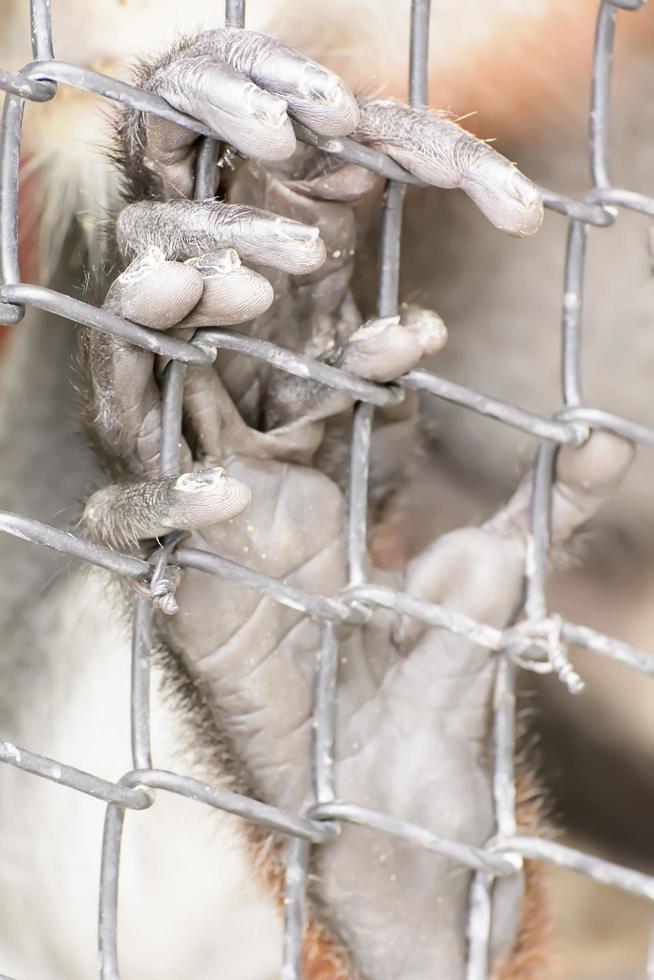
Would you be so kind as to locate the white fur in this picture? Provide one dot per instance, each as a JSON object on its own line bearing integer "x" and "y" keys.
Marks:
{"x": 189, "y": 903}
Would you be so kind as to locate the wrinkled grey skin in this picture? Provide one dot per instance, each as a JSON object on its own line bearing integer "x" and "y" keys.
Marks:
{"x": 413, "y": 709}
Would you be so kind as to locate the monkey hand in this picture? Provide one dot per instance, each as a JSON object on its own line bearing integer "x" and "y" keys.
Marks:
{"x": 411, "y": 729}
{"x": 412, "y": 706}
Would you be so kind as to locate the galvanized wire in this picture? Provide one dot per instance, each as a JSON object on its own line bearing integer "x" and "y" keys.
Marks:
{"x": 154, "y": 578}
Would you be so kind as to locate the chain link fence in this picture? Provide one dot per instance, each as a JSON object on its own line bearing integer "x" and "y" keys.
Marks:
{"x": 543, "y": 635}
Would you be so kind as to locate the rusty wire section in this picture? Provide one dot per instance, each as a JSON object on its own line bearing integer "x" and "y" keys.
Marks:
{"x": 503, "y": 855}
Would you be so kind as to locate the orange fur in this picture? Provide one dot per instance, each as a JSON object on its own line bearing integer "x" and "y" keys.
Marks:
{"x": 529, "y": 959}
{"x": 322, "y": 958}
{"x": 325, "y": 958}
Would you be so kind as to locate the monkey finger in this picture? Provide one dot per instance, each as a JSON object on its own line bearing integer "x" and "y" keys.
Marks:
{"x": 123, "y": 514}
{"x": 252, "y": 120}
{"x": 124, "y": 402}
{"x": 313, "y": 94}
{"x": 241, "y": 85}
{"x": 338, "y": 182}
{"x": 384, "y": 349}
{"x": 586, "y": 476}
{"x": 232, "y": 293}
{"x": 184, "y": 229}
{"x": 220, "y": 432}
{"x": 155, "y": 292}
{"x": 479, "y": 571}
{"x": 380, "y": 350}
{"x": 434, "y": 148}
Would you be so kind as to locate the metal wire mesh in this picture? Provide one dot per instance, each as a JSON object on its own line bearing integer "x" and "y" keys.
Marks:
{"x": 39, "y": 81}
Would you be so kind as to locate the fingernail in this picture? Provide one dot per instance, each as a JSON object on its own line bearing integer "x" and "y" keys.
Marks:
{"x": 149, "y": 259}
{"x": 320, "y": 83}
{"x": 212, "y": 263}
{"x": 525, "y": 191}
{"x": 206, "y": 497}
{"x": 298, "y": 231}
{"x": 197, "y": 482}
{"x": 265, "y": 107}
